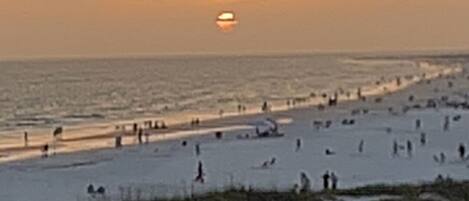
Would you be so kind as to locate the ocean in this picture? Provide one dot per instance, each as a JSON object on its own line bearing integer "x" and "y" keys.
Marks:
{"x": 45, "y": 93}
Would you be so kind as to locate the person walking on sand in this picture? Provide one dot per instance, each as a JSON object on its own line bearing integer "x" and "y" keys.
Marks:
{"x": 200, "y": 173}
{"x": 325, "y": 180}
{"x": 334, "y": 180}
{"x": 462, "y": 151}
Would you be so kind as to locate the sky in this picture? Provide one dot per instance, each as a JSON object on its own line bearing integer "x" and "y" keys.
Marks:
{"x": 36, "y": 28}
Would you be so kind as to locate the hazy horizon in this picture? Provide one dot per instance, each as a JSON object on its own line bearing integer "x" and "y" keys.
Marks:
{"x": 90, "y": 28}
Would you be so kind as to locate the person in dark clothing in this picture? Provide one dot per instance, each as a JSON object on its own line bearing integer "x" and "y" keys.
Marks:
{"x": 418, "y": 124}
{"x": 197, "y": 149}
{"x": 45, "y": 151}
{"x": 101, "y": 190}
{"x": 329, "y": 152}
{"x": 409, "y": 148}
{"x": 265, "y": 107}
{"x": 462, "y": 151}
{"x": 423, "y": 139}
{"x": 395, "y": 149}
{"x": 359, "y": 93}
{"x": 442, "y": 157}
{"x": 90, "y": 190}
{"x": 163, "y": 125}
{"x": 140, "y": 135}
{"x": 298, "y": 145}
{"x": 156, "y": 125}
{"x": 135, "y": 127}
{"x": 361, "y": 146}
{"x": 118, "y": 141}
{"x": 200, "y": 173}
{"x": 325, "y": 180}
{"x": 305, "y": 183}
{"x": 26, "y": 139}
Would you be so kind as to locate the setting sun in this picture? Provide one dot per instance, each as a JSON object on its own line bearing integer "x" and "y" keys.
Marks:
{"x": 226, "y": 21}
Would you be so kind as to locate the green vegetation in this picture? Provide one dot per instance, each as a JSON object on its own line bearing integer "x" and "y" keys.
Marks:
{"x": 438, "y": 190}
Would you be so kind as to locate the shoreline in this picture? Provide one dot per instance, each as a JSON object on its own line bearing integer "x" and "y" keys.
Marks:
{"x": 179, "y": 128}
{"x": 167, "y": 166}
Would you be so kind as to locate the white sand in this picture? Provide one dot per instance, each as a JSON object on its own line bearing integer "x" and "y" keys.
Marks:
{"x": 170, "y": 170}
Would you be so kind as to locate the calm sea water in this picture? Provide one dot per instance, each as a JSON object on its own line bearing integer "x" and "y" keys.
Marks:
{"x": 46, "y": 93}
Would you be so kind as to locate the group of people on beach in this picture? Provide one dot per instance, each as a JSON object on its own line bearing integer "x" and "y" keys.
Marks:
{"x": 141, "y": 132}
{"x": 330, "y": 181}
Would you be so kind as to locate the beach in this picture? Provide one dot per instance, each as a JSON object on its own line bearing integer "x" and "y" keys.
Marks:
{"x": 164, "y": 167}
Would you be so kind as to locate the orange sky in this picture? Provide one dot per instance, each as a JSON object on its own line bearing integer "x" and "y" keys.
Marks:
{"x": 120, "y": 27}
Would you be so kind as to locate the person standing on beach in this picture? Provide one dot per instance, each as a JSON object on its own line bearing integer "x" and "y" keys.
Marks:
{"x": 45, "y": 151}
{"x": 423, "y": 139}
{"x": 163, "y": 125}
{"x": 462, "y": 151}
{"x": 359, "y": 93}
{"x": 418, "y": 124}
{"x": 118, "y": 141}
{"x": 265, "y": 107}
{"x": 446, "y": 124}
{"x": 197, "y": 149}
{"x": 325, "y": 180}
{"x": 334, "y": 180}
{"x": 25, "y": 138}
{"x": 305, "y": 183}
{"x": 140, "y": 135}
{"x": 156, "y": 125}
{"x": 395, "y": 149}
{"x": 135, "y": 127}
{"x": 409, "y": 148}
{"x": 361, "y": 146}
{"x": 442, "y": 158}
{"x": 298, "y": 145}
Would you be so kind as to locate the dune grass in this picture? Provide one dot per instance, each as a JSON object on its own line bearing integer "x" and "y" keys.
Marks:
{"x": 439, "y": 190}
